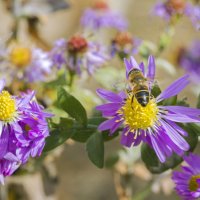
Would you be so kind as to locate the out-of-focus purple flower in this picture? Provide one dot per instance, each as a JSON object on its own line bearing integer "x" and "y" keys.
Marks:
{"x": 175, "y": 8}
{"x": 101, "y": 16}
{"x": 78, "y": 53}
{"x": 124, "y": 44}
{"x": 23, "y": 129}
{"x": 39, "y": 68}
{"x": 193, "y": 12}
{"x": 188, "y": 181}
{"x": 153, "y": 124}
{"x": 189, "y": 59}
{"x": 170, "y": 8}
{"x": 29, "y": 64}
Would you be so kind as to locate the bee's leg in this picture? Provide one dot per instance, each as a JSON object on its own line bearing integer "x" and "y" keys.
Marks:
{"x": 128, "y": 92}
{"x": 132, "y": 99}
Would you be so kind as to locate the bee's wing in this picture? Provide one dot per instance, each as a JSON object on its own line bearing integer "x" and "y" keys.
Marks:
{"x": 120, "y": 85}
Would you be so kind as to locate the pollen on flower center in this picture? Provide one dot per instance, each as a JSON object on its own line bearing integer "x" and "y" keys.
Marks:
{"x": 100, "y": 5}
{"x": 137, "y": 116}
{"x": 123, "y": 38}
{"x": 177, "y": 5}
{"x": 77, "y": 44}
{"x": 7, "y": 106}
{"x": 20, "y": 56}
{"x": 193, "y": 185}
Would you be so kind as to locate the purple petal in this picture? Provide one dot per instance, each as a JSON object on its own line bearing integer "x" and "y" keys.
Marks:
{"x": 181, "y": 118}
{"x": 178, "y": 128}
{"x": 26, "y": 99}
{"x": 157, "y": 149}
{"x": 127, "y": 138}
{"x": 115, "y": 127}
{"x": 171, "y": 144}
{"x": 4, "y": 143}
{"x": 182, "y": 110}
{"x": 1, "y": 127}
{"x": 151, "y": 68}
{"x": 165, "y": 148}
{"x": 175, "y": 137}
{"x": 130, "y": 65}
{"x": 142, "y": 67}
{"x": 108, "y": 124}
{"x": 11, "y": 157}
{"x": 134, "y": 63}
{"x": 111, "y": 107}
{"x": 108, "y": 95}
{"x": 174, "y": 88}
{"x": 2, "y": 84}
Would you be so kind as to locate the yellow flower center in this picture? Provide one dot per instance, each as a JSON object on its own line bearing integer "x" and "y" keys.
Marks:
{"x": 193, "y": 185}
{"x": 20, "y": 56}
{"x": 7, "y": 106}
{"x": 137, "y": 116}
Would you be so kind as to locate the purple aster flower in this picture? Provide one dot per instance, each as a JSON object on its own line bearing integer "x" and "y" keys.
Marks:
{"x": 23, "y": 129}
{"x": 78, "y": 53}
{"x": 153, "y": 124}
{"x": 170, "y": 8}
{"x": 188, "y": 181}
{"x": 100, "y": 16}
{"x": 189, "y": 59}
{"x": 29, "y": 64}
{"x": 174, "y": 8}
{"x": 124, "y": 44}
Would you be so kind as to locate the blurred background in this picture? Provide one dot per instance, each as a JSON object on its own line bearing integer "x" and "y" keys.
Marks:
{"x": 73, "y": 177}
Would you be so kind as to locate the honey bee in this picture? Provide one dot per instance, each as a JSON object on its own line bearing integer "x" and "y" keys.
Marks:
{"x": 139, "y": 87}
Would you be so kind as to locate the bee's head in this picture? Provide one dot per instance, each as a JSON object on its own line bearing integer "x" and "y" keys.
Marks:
{"x": 132, "y": 74}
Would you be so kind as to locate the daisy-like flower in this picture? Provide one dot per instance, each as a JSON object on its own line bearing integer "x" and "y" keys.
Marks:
{"x": 189, "y": 59}
{"x": 188, "y": 181}
{"x": 175, "y": 8}
{"x": 23, "y": 129}
{"x": 78, "y": 53}
{"x": 27, "y": 64}
{"x": 124, "y": 44}
{"x": 153, "y": 124}
{"x": 101, "y": 16}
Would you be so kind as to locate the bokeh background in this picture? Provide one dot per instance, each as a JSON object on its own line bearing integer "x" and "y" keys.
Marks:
{"x": 75, "y": 178}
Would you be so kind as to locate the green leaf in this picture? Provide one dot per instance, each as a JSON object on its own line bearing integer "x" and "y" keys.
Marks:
{"x": 155, "y": 90}
{"x": 98, "y": 120}
{"x": 193, "y": 131}
{"x": 151, "y": 160}
{"x": 170, "y": 101}
{"x": 81, "y": 134}
{"x": 111, "y": 160}
{"x": 182, "y": 102}
{"x": 95, "y": 149}
{"x": 72, "y": 106}
{"x": 60, "y": 81}
{"x": 59, "y": 134}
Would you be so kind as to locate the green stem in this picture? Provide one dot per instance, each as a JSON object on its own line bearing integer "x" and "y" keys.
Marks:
{"x": 71, "y": 79}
